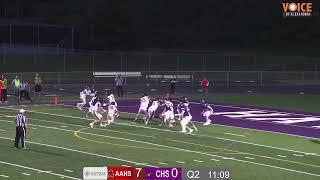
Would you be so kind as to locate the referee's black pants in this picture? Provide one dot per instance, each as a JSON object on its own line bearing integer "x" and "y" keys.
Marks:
{"x": 20, "y": 136}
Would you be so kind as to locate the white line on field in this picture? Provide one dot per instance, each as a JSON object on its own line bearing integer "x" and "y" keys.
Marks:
{"x": 255, "y": 109}
{"x": 298, "y": 155}
{"x": 249, "y": 157}
{"x": 282, "y": 156}
{"x": 162, "y": 163}
{"x": 121, "y": 132}
{"x": 34, "y": 128}
{"x": 215, "y": 160}
{"x": 185, "y": 150}
{"x": 64, "y": 126}
{"x": 142, "y": 164}
{"x": 26, "y": 174}
{"x": 180, "y": 162}
{"x": 197, "y": 161}
{"x": 67, "y": 170}
{"x": 2, "y": 130}
{"x": 38, "y": 170}
{"x": 2, "y": 175}
{"x": 231, "y": 158}
{"x": 125, "y": 166}
{"x": 232, "y": 134}
{"x": 78, "y": 151}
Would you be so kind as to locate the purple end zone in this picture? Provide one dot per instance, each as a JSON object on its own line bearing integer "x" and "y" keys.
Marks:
{"x": 300, "y": 129}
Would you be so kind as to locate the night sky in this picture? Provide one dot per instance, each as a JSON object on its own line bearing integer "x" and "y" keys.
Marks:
{"x": 187, "y": 24}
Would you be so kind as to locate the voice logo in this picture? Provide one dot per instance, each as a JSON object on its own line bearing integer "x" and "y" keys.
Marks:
{"x": 297, "y": 9}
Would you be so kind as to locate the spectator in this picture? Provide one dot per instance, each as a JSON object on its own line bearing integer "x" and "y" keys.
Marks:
{"x": 172, "y": 85}
{"x": 24, "y": 91}
{"x": 119, "y": 85}
{"x": 16, "y": 84}
{"x": 205, "y": 87}
{"x": 4, "y": 89}
{"x": 37, "y": 86}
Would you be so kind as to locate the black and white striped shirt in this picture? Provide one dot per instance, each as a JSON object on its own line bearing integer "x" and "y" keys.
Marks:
{"x": 20, "y": 120}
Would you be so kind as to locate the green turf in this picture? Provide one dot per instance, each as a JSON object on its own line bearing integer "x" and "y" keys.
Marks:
{"x": 127, "y": 143}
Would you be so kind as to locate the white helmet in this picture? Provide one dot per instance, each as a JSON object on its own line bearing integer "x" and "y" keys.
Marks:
{"x": 22, "y": 111}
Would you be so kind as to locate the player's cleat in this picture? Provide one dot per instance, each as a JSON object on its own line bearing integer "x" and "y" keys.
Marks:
{"x": 24, "y": 148}
{"x": 207, "y": 123}
{"x": 91, "y": 125}
{"x": 170, "y": 125}
{"x": 183, "y": 131}
{"x": 191, "y": 130}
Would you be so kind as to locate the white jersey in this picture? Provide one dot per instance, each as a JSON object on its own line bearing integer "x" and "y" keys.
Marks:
{"x": 85, "y": 93}
{"x": 112, "y": 99}
{"x": 207, "y": 111}
{"x": 144, "y": 102}
{"x": 168, "y": 105}
{"x": 96, "y": 106}
{"x": 112, "y": 109}
{"x": 155, "y": 105}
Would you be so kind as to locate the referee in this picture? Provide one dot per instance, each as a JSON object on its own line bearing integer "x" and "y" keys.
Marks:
{"x": 21, "y": 125}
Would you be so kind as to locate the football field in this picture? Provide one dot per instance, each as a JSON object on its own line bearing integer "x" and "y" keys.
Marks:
{"x": 61, "y": 143}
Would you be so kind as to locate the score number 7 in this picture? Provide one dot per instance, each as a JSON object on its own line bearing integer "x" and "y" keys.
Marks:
{"x": 139, "y": 170}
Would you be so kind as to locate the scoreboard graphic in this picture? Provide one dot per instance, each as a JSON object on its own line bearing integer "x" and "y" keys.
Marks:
{"x": 151, "y": 173}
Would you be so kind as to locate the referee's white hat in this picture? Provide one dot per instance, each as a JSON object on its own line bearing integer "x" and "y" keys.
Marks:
{"x": 22, "y": 111}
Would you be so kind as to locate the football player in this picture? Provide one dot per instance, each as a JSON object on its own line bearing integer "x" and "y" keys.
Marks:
{"x": 83, "y": 97}
{"x": 152, "y": 109}
{"x": 186, "y": 116}
{"x": 144, "y": 103}
{"x": 206, "y": 112}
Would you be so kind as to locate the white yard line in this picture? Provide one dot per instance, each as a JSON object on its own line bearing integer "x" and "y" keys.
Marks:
{"x": 162, "y": 163}
{"x": 282, "y": 156}
{"x": 67, "y": 170}
{"x": 249, "y": 157}
{"x": 2, "y": 175}
{"x": 125, "y": 166}
{"x": 121, "y": 132}
{"x": 183, "y": 150}
{"x": 26, "y": 174}
{"x": 38, "y": 170}
{"x": 232, "y": 126}
{"x": 197, "y": 161}
{"x": 255, "y": 109}
{"x": 298, "y": 155}
{"x": 2, "y": 130}
{"x": 78, "y": 151}
{"x": 180, "y": 162}
{"x": 167, "y": 130}
{"x": 232, "y": 158}
{"x": 239, "y": 135}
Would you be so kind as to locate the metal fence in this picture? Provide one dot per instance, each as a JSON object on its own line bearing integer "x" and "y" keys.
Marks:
{"x": 188, "y": 81}
{"x": 62, "y": 60}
